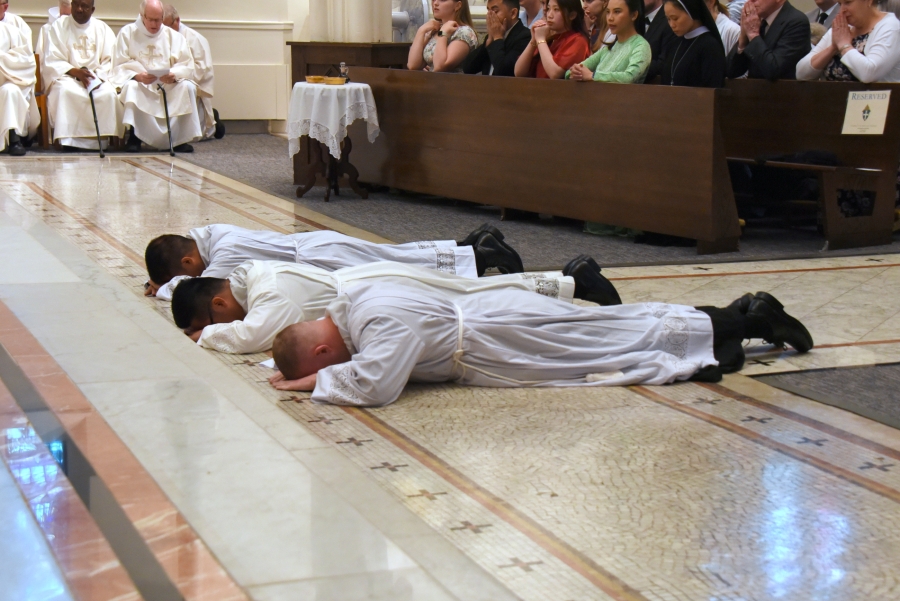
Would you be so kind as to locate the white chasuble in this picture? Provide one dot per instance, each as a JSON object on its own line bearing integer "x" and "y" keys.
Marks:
{"x": 138, "y": 51}
{"x": 204, "y": 77}
{"x": 73, "y": 46}
{"x": 506, "y": 338}
{"x": 19, "y": 23}
{"x": 276, "y": 295}
{"x": 18, "y": 111}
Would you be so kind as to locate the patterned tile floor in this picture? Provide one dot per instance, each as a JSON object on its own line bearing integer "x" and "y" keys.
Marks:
{"x": 681, "y": 492}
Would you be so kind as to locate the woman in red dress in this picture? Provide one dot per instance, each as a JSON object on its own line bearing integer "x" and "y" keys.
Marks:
{"x": 557, "y": 43}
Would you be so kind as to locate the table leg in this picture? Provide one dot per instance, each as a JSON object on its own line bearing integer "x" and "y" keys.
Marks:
{"x": 315, "y": 168}
{"x": 345, "y": 168}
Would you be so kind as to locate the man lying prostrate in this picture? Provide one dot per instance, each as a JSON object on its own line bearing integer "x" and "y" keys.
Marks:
{"x": 242, "y": 314}
{"x": 376, "y": 338}
{"x": 216, "y": 250}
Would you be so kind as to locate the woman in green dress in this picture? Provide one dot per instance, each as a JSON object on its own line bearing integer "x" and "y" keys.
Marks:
{"x": 625, "y": 60}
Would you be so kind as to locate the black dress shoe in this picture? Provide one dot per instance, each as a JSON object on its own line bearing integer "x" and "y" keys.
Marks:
{"x": 133, "y": 144}
{"x": 785, "y": 329}
{"x": 220, "y": 127}
{"x": 184, "y": 148}
{"x": 590, "y": 284}
{"x": 742, "y": 304}
{"x": 16, "y": 150}
{"x": 494, "y": 253}
{"x": 568, "y": 268}
{"x": 15, "y": 147}
{"x": 472, "y": 238}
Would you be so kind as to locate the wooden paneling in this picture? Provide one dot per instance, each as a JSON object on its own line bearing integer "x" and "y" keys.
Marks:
{"x": 645, "y": 157}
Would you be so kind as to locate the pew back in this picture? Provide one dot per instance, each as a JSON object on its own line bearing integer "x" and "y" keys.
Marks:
{"x": 645, "y": 157}
{"x": 761, "y": 119}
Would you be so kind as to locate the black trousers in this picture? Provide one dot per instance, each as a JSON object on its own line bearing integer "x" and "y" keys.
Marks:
{"x": 730, "y": 328}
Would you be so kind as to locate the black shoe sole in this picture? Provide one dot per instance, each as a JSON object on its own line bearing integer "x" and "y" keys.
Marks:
{"x": 488, "y": 251}
{"x": 473, "y": 237}
{"x": 607, "y": 295}
{"x": 742, "y": 304}
{"x": 771, "y": 300}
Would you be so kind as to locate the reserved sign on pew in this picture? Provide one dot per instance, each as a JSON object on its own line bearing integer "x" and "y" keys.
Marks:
{"x": 866, "y": 112}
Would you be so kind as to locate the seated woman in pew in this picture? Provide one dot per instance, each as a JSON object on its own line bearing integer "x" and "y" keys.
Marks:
{"x": 697, "y": 59}
{"x": 443, "y": 43}
{"x": 627, "y": 59}
{"x": 557, "y": 43}
{"x": 598, "y": 31}
{"x": 863, "y": 44}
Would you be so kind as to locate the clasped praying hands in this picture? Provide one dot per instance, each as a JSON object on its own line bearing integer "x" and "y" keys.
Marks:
{"x": 750, "y": 23}
{"x": 841, "y": 34}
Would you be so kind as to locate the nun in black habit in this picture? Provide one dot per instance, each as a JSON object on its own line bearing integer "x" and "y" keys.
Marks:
{"x": 697, "y": 58}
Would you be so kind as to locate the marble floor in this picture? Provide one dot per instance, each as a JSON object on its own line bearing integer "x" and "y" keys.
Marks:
{"x": 137, "y": 465}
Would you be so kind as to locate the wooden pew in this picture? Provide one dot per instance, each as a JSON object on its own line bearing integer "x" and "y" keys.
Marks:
{"x": 645, "y": 157}
{"x": 762, "y": 118}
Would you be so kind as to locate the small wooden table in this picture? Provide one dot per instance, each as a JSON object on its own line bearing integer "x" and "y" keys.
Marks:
{"x": 323, "y": 112}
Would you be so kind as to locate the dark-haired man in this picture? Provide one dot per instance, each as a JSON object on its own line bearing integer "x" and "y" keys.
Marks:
{"x": 774, "y": 37}
{"x": 78, "y": 57}
{"x": 216, "y": 250}
{"x": 374, "y": 339}
{"x": 506, "y": 40}
{"x": 242, "y": 314}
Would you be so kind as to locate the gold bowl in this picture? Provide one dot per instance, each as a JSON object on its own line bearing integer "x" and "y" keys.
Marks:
{"x": 315, "y": 79}
{"x": 335, "y": 81}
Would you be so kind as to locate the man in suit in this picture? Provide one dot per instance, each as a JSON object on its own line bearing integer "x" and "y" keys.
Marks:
{"x": 658, "y": 34}
{"x": 774, "y": 37}
{"x": 507, "y": 38}
{"x": 824, "y": 14}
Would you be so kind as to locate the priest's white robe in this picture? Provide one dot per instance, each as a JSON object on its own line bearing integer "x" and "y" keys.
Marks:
{"x": 276, "y": 295}
{"x": 138, "y": 51}
{"x": 223, "y": 247}
{"x": 18, "y": 111}
{"x": 204, "y": 78}
{"x": 73, "y": 46}
{"x": 19, "y": 23}
{"x": 41, "y": 43}
{"x": 504, "y": 338}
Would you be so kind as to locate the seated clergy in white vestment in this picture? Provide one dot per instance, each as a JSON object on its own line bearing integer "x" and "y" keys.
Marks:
{"x": 54, "y": 13}
{"x": 16, "y": 22}
{"x": 216, "y": 250}
{"x": 19, "y": 115}
{"x": 376, "y": 337}
{"x": 244, "y": 313}
{"x": 77, "y": 66}
{"x": 203, "y": 73}
{"x": 148, "y": 58}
